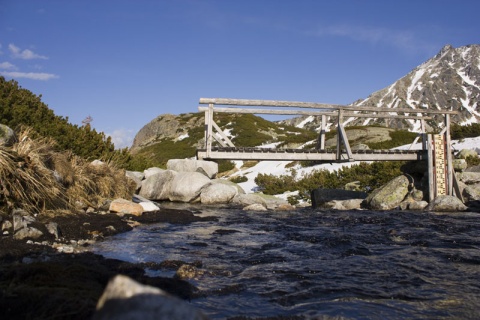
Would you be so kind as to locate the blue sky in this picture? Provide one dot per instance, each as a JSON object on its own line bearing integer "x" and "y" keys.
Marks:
{"x": 126, "y": 62}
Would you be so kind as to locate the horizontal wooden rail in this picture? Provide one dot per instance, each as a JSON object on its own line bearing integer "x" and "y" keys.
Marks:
{"x": 314, "y": 105}
{"x": 329, "y": 156}
{"x": 312, "y": 113}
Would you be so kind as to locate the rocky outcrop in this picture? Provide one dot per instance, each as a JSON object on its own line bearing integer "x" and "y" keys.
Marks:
{"x": 166, "y": 126}
{"x": 124, "y": 298}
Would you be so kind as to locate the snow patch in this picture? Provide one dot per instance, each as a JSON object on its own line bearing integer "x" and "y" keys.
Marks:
{"x": 305, "y": 121}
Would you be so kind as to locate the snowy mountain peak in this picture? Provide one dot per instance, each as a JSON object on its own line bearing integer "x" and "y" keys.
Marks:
{"x": 448, "y": 81}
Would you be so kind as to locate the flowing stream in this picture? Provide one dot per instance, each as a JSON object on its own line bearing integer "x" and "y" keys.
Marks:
{"x": 319, "y": 264}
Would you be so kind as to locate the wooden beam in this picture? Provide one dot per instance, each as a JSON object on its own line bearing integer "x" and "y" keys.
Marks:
{"x": 313, "y": 113}
{"x": 314, "y": 105}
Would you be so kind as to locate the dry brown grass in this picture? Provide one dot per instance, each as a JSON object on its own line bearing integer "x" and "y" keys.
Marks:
{"x": 35, "y": 177}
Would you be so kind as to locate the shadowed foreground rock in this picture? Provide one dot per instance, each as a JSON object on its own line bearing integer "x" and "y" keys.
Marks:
{"x": 125, "y": 298}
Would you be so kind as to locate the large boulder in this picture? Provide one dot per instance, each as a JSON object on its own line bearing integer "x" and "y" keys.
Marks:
{"x": 217, "y": 193}
{"x": 136, "y": 177}
{"x": 469, "y": 177}
{"x": 389, "y": 196}
{"x": 187, "y": 186}
{"x": 208, "y": 168}
{"x": 124, "y": 298}
{"x": 446, "y": 204}
{"x": 157, "y": 186}
{"x": 320, "y": 196}
{"x": 230, "y": 183}
{"x": 151, "y": 171}
{"x": 7, "y": 136}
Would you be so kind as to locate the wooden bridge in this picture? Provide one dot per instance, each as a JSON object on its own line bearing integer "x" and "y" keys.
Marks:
{"x": 433, "y": 147}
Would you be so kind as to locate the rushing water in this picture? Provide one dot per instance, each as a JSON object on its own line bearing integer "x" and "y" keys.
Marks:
{"x": 320, "y": 264}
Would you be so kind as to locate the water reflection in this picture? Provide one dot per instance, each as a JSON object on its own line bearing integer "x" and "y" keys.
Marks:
{"x": 352, "y": 264}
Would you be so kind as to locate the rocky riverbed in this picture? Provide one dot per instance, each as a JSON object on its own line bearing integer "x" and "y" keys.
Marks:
{"x": 40, "y": 280}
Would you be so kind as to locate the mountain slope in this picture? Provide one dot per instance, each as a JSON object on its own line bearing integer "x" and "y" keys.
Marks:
{"x": 169, "y": 136}
{"x": 448, "y": 81}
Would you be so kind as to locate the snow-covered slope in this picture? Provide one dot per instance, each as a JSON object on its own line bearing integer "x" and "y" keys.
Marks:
{"x": 278, "y": 168}
{"x": 448, "y": 81}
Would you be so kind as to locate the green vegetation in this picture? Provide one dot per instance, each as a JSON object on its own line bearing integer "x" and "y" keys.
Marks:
{"x": 239, "y": 179}
{"x": 20, "y": 108}
{"x": 468, "y": 131}
{"x": 398, "y": 138}
{"x": 370, "y": 176}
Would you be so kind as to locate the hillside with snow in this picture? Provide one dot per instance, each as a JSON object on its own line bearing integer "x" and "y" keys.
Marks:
{"x": 448, "y": 81}
{"x": 278, "y": 168}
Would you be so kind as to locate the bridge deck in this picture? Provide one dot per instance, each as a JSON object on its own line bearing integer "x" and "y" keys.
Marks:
{"x": 232, "y": 153}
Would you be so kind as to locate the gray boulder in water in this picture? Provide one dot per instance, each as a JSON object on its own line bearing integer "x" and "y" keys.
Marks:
{"x": 126, "y": 299}
{"x": 389, "y": 196}
{"x": 446, "y": 204}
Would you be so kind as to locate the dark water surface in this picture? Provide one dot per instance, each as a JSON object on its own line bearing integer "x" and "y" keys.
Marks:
{"x": 320, "y": 264}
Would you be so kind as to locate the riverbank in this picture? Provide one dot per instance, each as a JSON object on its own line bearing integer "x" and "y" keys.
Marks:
{"x": 39, "y": 282}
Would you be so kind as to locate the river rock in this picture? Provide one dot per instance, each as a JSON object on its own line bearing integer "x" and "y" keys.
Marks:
{"x": 353, "y": 186}
{"x": 350, "y": 204}
{"x": 459, "y": 164}
{"x": 230, "y": 183}
{"x": 473, "y": 169}
{"x": 417, "y": 205}
{"x": 187, "y": 272}
{"x": 389, "y": 196}
{"x": 52, "y": 228}
{"x": 469, "y": 177}
{"x": 136, "y": 177}
{"x": 464, "y": 153}
{"x": 187, "y": 186}
{"x": 248, "y": 199}
{"x": 7, "y": 136}
{"x": 157, "y": 186}
{"x": 446, "y": 204}
{"x": 208, "y": 168}
{"x": 123, "y": 206}
{"x": 321, "y": 196}
{"x": 217, "y": 193}
{"x": 125, "y": 298}
{"x": 471, "y": 192}
{"x": 255, "y": 207}
{"x": 28, "y": 233}
{"x": 151, "y": 171}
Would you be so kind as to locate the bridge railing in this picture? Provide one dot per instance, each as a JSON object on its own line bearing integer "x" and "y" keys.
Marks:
{"x": 327, "y": 112}
{"x": 333, "y": 111}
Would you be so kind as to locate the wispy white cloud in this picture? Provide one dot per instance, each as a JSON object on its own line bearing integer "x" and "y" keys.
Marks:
{"x": 29, "y": 75}
{"x": 25, "y": 54}
{"x": 122, "y": 138}
{"x": 401, "y": 39}
{"x": 7, "y": 66}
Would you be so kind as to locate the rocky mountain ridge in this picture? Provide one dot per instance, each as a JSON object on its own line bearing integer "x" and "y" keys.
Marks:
{"x": 448, "y": 81}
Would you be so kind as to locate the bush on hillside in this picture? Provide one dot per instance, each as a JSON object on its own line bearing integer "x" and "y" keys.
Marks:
{"x": 370, "y": 175}
{"x": 468, "y": 131}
